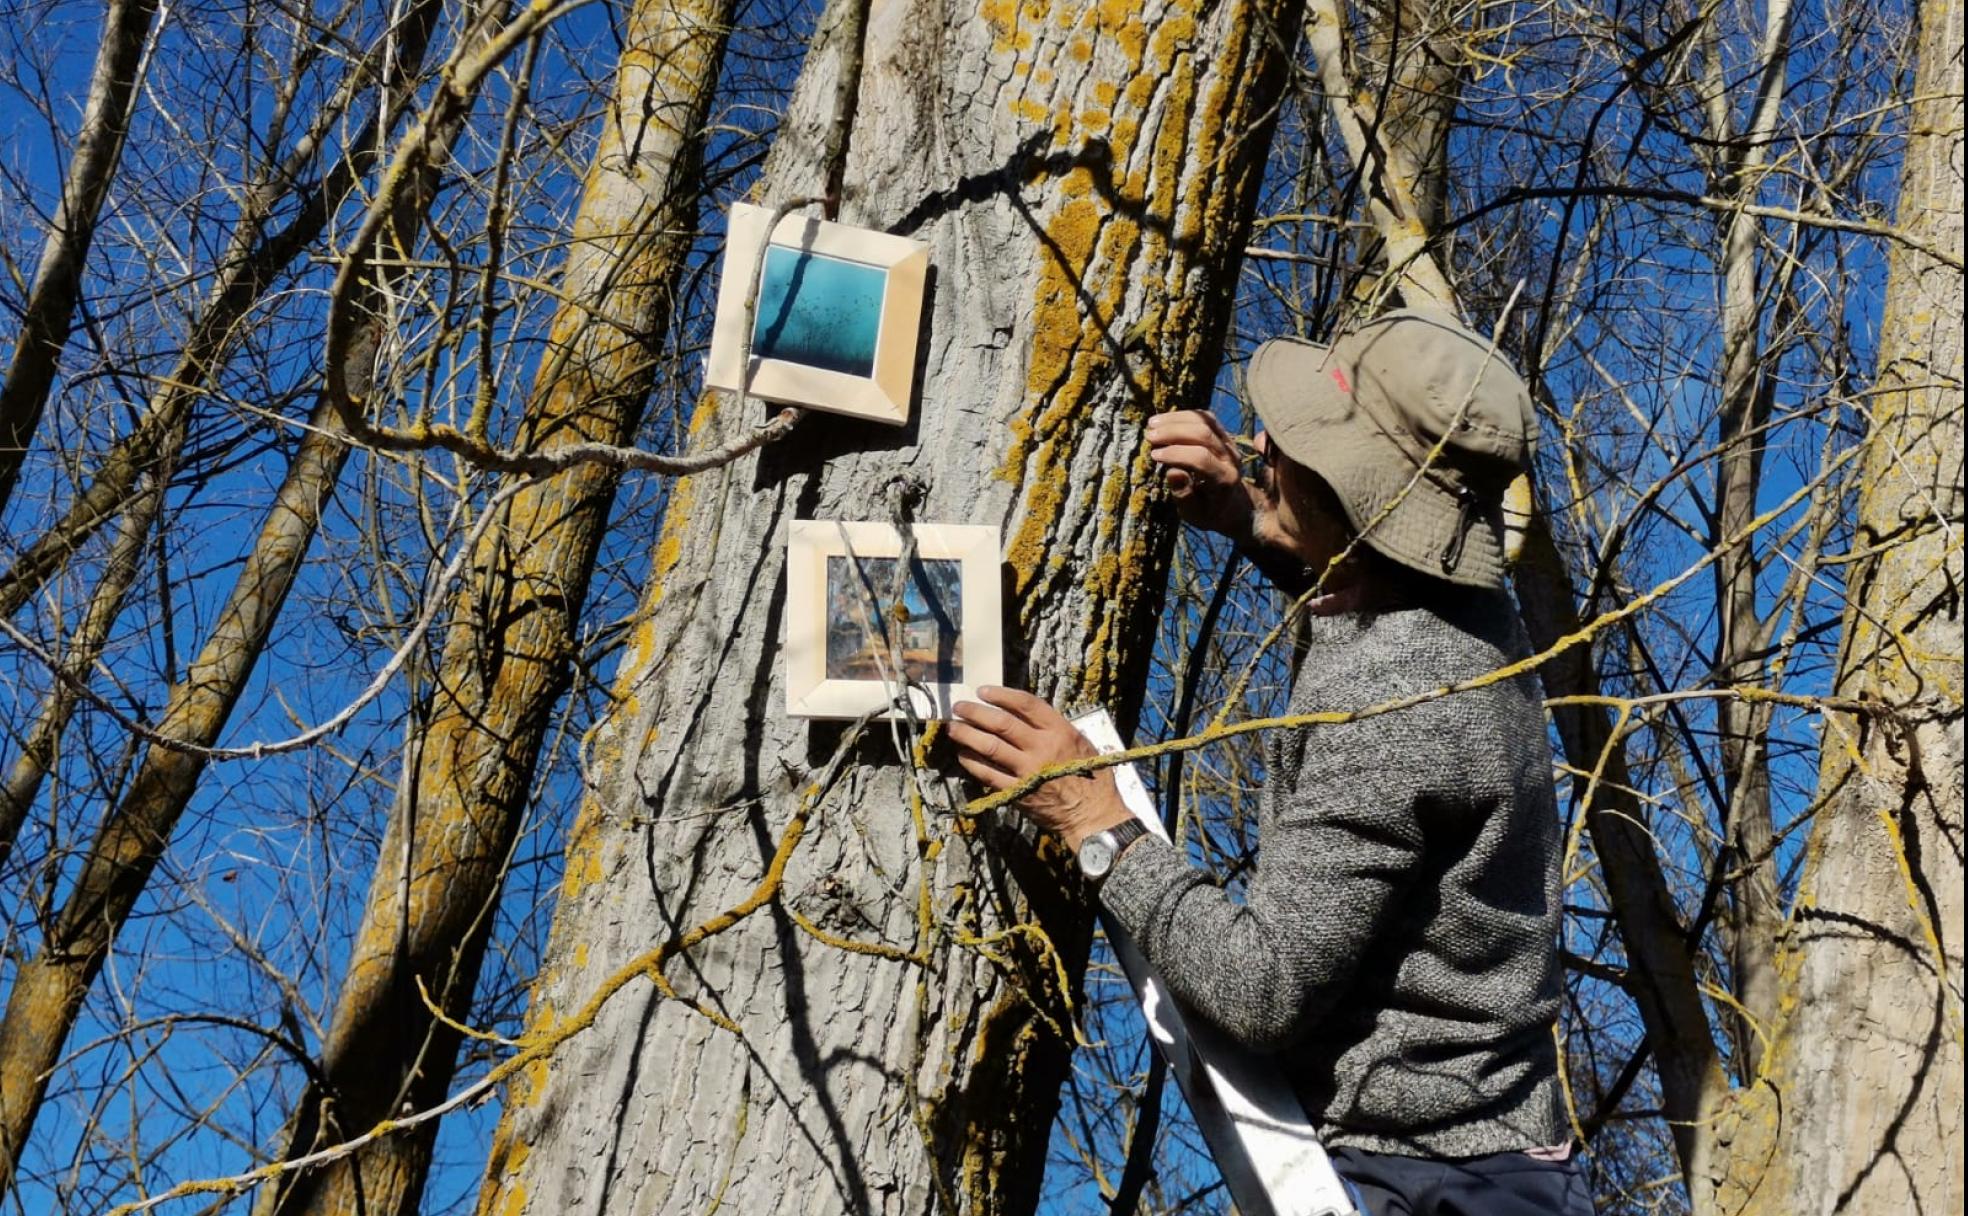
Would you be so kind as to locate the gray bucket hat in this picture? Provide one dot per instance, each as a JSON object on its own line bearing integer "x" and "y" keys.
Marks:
{"x": 1365, "y": 414}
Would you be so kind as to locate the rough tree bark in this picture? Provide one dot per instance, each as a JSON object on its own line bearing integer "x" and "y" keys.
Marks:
{"x": 848, "y": 1007}
{"x": 512, "y": 634}
{"x": 1858, "y": 1107}
{"x": 50, "y": 311}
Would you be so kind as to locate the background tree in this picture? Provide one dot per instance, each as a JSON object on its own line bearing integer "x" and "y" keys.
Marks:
{"x": 50, "y": 312}
{"x": 1857, "y": 1104}
{"x": 47, "y": 991}
{"x": 509, "y": 651}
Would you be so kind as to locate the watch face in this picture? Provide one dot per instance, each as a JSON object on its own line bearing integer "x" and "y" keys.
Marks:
{"x": 1096, "y": 855}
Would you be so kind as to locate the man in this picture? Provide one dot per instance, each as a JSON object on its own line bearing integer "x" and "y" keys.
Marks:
{"x": 1396, "y": 943}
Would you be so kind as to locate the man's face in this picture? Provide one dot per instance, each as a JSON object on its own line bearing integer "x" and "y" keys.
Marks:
{"x": 1310, "y": 530}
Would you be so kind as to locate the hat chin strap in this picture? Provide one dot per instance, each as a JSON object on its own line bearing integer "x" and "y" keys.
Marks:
{"x": 1468, "y": 505}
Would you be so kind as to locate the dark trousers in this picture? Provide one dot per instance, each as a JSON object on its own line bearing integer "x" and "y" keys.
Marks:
{"x": 1501, "y": 1184}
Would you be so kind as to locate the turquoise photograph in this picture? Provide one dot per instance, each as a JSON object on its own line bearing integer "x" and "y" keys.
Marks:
{"x": 819, "y": 311}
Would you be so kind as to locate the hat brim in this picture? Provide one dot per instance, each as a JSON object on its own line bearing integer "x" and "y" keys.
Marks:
{"x": 1309, "y": 412}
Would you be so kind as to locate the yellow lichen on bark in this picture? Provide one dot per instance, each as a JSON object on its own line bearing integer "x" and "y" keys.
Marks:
{"x": 508, "y": 1157}
{"x": 1095, "y": 248}
{"x": 1070, "y": 318}
{"x": 1007, "y": 1034}
{"x": 584, "y": 846}
{"x": 1010, "y": 21}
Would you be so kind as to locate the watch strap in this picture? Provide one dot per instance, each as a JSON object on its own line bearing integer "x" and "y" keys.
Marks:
{"x": 1117, "y": 839}
{"x": 1125, "y": 834}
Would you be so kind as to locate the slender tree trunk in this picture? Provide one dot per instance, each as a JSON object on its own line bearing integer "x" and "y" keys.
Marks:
{"x": 1858, "y": 1107}
{"x": 1394, "y": 174}
{"x": 1754, "y": 911}
{"x": 39, "y": 748}
{"x": 1412, "y": 57}
{"x": 50, "y": 311}
{"x": 49, "y": 989}
{"x": 1661, "y": 973}
{"x": 869, "y": 1013}
{"x": 508, "y": 656}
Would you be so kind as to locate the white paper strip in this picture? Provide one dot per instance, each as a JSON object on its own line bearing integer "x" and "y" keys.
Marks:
{"x": 1271, "y": 1159}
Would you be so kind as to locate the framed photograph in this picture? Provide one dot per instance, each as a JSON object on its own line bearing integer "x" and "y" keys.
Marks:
{"x": 861, "y": 625}
{"x": 838, "y": 313}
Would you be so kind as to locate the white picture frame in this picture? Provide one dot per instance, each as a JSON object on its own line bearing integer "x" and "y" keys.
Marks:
{"x": 840, "y": 575}
{"x": 838, "y": 316}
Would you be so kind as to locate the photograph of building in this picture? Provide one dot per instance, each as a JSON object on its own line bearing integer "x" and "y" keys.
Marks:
{"x": 925, "y": 613}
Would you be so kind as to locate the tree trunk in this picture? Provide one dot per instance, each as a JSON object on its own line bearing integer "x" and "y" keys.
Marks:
{"x": 862, "y": 1005}
{"x": 1755, "y": 909}
{"x": 1394, "y": 176}
{"x": 508, "y": 655}
{"x": 50, "y": 311}
{"x": 1661, "y": 974}
{"x": 1413, "y": 62}
{"x": 1859, "y": 1106}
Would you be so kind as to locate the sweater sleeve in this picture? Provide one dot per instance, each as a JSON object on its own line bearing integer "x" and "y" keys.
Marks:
{"x": 1343, "y": 845}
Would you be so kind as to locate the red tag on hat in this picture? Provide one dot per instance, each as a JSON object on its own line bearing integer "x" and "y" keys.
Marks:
{"x": 1339, "y": 378}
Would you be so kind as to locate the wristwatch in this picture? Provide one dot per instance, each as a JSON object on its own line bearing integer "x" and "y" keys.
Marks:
{"x": 1098, "y": 851}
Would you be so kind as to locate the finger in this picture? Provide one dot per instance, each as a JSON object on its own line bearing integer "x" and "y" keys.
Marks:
{"x": 1186, "y": 426}
{"x": 986, "y": 775}
{"x": 1034, "y": 711}
{"x": 1199, "y": 445}
{"x": 989, "y": 718}
{"x": 986, "y": 748}
{"x": 1198, "y": 428}
{"x": 1188, "y": 472}
{"x": 1206, "y": 466}
{"x": 1216, "y": 425}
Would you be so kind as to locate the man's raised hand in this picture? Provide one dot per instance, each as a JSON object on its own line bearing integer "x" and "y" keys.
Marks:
{"x": 1201, "y": 465}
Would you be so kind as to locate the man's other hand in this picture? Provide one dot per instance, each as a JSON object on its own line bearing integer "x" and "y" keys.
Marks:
{"x": 1014, "y": 734}
{"x": 1204, "y": 471}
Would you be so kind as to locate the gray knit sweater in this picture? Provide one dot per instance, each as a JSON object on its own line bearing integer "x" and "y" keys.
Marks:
{"x": 1396, "y": 944}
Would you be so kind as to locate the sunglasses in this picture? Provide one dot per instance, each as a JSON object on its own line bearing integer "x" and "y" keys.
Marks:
{"x": 1249, "y": 453}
